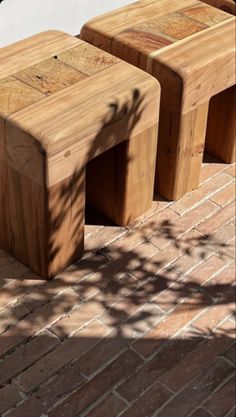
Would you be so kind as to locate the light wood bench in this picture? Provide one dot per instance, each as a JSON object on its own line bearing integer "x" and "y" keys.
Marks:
{"x": 189, "y": 47}
{"x": 66, "y": 109}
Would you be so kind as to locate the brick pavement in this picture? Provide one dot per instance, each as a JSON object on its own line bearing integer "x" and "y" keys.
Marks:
{"x": 143, "y": 326}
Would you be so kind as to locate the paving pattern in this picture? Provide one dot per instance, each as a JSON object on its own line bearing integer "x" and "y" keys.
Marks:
{"x": 143, "y": 326}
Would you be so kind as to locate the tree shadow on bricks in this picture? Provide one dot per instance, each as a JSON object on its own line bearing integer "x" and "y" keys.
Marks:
{"x": 119, "y": 333}
{"x": 123, "y": 330}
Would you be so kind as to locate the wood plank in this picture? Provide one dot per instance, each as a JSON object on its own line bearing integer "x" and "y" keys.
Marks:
{"x": 203, "y": 13}
{"x": 50, "y": 76}
{"x": 61, "y": 124}
{"x": 16, "y": 95}
{"x": 44, "y": 229}
{"x": 120, "y": 182}
{"x": 135, "y": 45}
{"x": 3, "y": 214}
{"x": 87, "y": 59}
{"x": 22, "y": 54}
{"x": 180, "y": 149}
{"x": 221, "y": 126}
{"x": 177, "y": 26}
{"x": 194, "y": 64}
{"x": 111, "y": 24}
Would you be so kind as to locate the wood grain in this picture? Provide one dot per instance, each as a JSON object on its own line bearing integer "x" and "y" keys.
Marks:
{"x": 100, "y": 30}
{"x": 180, "y": 149}
{"x": 61, "y": 124}
{"x": 221, "y": 126}
{"x": 16, "y": 95}
{"x": 206, "y": 15}
{"x": 50, "y": 76}
{"x": 22, "y": 54}
{"x": 87, "y": 59}
{"x": 194, "y": 60}
{"x": 195, "y": 65}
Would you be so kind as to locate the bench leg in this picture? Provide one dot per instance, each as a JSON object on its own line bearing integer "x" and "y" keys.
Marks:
{"x": 43, "y": 228}
{"x": 120, "y": 182}
{"x": 180, "y": 150}
{"x": 221, "y": 128}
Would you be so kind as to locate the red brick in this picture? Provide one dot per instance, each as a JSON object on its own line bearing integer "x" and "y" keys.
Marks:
{"x": 109, "y": 284}
{"x": 62, "y": 385}
{"x": 38, "y": 320}
{"x": 196, "y": 215}
{"x": 32, "y": 407}
{"x": 170, "y": 298}
{"x": 223, "y": 400}
{"x": 102, "y": 353}
{"x": 81, "y": 399}
{"x": 158, "y": 205}
{"x": 201, "y": 358}
{"x": 210, "y": 170}
{"x": 17, "y": 288}
{"x": 11, "y": 315}
{"x": 103, "y": 237}
{"x": 142, "y": 233}
{"x": 77, "y": 319}
{"x": 9, "y": 396}
{"x": 200, "y": 388}
{"x": 218, "y": 219}
{"x": 204, "y": 247}
{"x": 26, "y": 354}
{"x": 232, "y": 412}
{"x": 179, "y": 318}
{"x": 204, "y": 191}
{"x": 149, "y": 402}
{"x": 225, "y": 196}
{"x": 62, "y": 355}
{"x": 157, "y": 263}
{"x": 111, "y": 406}
{"x": 144, "y": 319}
{"x": 171, "y": 233}
{"x": 128, "y": 311}
{"x": 179, "y": 290}
{"x": 227, "y": 328}
{"x": 231, "y": 170}
{"x": 169, "y": 356}
{"x": 212, "y": 317}
{"x": 200, "y": 412}
{"x": 83, "y": 268}
{"x": 202, "y": 273}
{"x": 230, "y": 353}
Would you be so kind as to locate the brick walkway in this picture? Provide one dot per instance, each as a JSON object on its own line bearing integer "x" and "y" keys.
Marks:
{"x": 143, "y": 326}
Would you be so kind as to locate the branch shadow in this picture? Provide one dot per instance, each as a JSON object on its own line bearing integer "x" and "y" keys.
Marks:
{"x": 88, "y": 335}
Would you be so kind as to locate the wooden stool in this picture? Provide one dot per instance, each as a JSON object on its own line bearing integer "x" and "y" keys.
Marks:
{"x": 189, "y": 47}
{"x": 63, "y": 103}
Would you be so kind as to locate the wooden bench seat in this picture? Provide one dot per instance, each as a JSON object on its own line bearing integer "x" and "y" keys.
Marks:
{"x": 70, "y": 113}
{"x": 189, "y": 46}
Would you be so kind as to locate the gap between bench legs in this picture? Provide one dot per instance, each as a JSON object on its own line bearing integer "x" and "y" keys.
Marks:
{"x": 221, "y": 126}
{"x": 120, "y": 182}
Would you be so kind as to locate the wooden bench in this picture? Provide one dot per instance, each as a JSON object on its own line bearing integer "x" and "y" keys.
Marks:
{"x": 67, "y": 108}
{"x": 189, "y": 47}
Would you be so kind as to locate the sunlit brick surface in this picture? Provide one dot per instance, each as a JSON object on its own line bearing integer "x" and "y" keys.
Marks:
{"x": 142, "y": 326}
